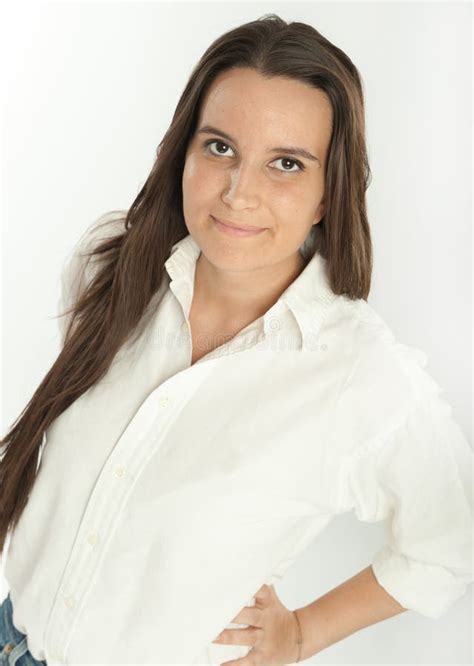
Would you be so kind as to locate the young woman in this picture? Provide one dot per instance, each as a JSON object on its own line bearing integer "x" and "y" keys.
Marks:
{"x": 224, "y": 390}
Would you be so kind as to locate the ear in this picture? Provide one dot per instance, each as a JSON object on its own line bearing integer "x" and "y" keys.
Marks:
{"x": 319, "y": 212}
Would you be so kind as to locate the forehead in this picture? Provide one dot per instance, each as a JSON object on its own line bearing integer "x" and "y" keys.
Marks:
{"x": 269, "y": 110}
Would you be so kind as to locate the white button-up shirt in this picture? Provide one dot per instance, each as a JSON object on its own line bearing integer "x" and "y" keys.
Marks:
{"x": 169, "y": 493}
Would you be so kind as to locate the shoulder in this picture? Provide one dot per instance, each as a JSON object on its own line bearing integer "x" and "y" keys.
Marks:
{"x": 379, "y": 378}
{"x": 106, "y": 226}
{"x": 370, "y": 350}
{"x": 75, "y": 264}
{"x": 78, "y": 266}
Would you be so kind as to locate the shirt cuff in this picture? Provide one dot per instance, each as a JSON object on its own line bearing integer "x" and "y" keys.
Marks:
{"x": 428, "y": 589}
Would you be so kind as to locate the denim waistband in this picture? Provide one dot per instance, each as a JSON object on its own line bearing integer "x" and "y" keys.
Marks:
{"x": 13, "y": 644}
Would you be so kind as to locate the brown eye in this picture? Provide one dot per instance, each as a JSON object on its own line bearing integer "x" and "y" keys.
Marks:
{"x": 219, "y": 143}
{"x": 288, "y": 159}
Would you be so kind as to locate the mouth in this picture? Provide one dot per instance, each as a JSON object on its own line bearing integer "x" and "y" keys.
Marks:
{"x": 233, "y": 230}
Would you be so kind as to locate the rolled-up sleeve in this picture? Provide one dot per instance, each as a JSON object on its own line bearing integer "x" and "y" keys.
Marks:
{"x": 419, "y": 479}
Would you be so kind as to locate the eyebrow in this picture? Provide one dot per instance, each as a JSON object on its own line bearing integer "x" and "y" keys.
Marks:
{"x": 293, "y": 150}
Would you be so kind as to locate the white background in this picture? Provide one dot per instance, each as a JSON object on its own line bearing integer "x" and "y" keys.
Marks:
{"x": 89, "y": 90}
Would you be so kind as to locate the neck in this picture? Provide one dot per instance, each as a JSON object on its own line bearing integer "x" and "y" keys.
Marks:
{"x": 236, "y": 296}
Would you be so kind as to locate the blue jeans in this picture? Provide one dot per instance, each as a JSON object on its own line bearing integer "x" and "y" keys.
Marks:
{"x": 13, "y": 645}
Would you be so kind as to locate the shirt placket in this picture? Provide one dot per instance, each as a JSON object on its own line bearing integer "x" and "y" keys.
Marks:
{"x": 145, "y": 434}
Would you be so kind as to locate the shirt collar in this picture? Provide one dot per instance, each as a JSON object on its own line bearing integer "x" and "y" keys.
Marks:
{"x": 307, "y": 297}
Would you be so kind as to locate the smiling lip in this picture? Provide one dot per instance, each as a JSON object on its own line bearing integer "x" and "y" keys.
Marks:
{"x": 233, "y": 230}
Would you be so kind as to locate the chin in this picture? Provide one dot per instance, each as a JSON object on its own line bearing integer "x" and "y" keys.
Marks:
{"x": 224, "y": 256}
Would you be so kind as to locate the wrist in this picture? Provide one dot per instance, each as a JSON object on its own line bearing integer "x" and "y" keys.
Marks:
{"x": 299, "y": 637}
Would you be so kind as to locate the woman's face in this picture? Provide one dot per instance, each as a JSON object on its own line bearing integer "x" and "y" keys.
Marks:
{"x": 241, "y": 167}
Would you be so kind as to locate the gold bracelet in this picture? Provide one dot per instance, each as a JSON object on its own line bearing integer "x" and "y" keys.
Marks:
{"x": 299, "y": 640}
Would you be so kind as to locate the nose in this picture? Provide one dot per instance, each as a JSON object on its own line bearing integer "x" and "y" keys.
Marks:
{"x": 242, "y": 189}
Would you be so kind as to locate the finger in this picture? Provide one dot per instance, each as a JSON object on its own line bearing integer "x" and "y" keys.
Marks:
{"x": 262, "y": 588}
{"x": 264, "y": 594}
{"x": 249, "y": 615}
{"x": 248, "y": 636}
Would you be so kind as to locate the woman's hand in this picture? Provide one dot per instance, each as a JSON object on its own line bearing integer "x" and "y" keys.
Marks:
{"x": 273, "y": 633}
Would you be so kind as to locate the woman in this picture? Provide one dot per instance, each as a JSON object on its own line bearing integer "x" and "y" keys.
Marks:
{"x": 224, "y": 390}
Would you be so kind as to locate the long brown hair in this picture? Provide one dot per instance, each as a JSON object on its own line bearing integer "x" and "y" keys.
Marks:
{"x": 130, "y": 265}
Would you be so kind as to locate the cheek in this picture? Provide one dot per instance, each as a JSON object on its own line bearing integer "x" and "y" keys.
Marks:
{"x": 293, "y": 211}
{"x": 199, "y": 178}
{"x": 287, "y": 201}
{"x": 190, "y": 174}
{"x": 298, "y": 199}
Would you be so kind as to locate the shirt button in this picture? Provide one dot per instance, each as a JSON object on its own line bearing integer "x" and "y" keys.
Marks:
{"x": 8, "y": 648}
{"x": 119, "y": 470}
{"x": 69, "y": 601}
{"x": 92, "y": 538}
{"x": 164, "y": 402}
